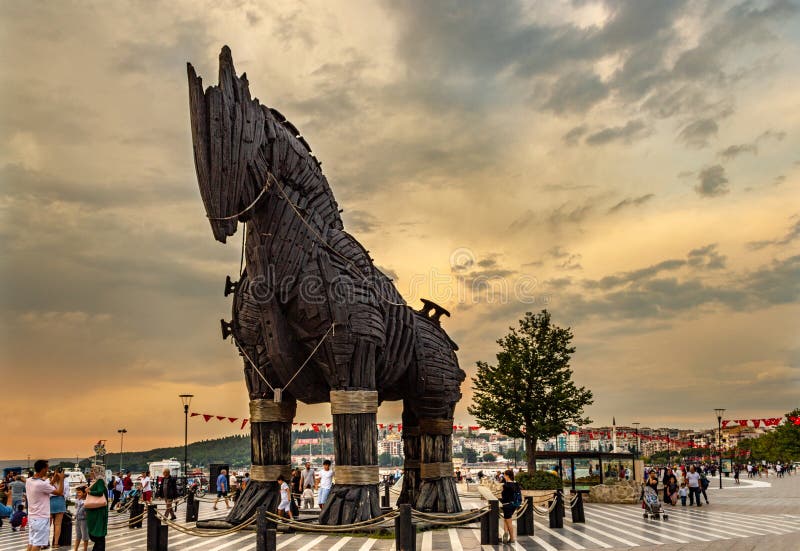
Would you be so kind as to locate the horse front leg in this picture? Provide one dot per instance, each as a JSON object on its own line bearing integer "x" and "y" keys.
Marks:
{"x": 355, "y": 496}
{"x": 271, "y": 455}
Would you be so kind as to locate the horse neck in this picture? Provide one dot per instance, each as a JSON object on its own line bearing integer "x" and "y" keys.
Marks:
{"x": 300, "y": 177}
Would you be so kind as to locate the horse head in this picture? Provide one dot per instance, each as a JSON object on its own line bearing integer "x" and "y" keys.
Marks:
{"x": 227, "y": 130}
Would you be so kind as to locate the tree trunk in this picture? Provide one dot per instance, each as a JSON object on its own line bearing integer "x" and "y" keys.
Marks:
{"x": 530, "y": 443}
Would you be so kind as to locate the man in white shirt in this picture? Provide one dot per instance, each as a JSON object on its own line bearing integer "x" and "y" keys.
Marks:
{"x": 39, "y": 489}
{"x": 325, "y": 482}
{"x": 693, "y": 481}
{"x": 147, "y": 489}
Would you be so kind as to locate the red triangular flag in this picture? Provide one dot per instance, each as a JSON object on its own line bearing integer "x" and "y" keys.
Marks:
{"x": 742, "y": 422}
{"x": 207, "y": 417}
{"x": 400, "y": 426}
{"x": 315, "y": 427}
{"x": 194, "y": 415}
{"x": 327, "y": 425}
{"x": 220, "y": 417}
{"x": 756, "y": 422}
{"x": 725, "y": 422}
{"x": 232, "y": 419}
{"x": 244, "y": 422}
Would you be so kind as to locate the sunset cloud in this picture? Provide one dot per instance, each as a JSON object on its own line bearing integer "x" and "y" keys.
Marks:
{"x": 541, "y": 141}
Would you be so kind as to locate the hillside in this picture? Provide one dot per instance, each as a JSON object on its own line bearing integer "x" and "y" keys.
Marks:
{"x": 234, "y": 450}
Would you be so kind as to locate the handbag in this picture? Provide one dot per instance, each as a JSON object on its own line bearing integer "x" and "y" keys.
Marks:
{"x": 95, "y": 502}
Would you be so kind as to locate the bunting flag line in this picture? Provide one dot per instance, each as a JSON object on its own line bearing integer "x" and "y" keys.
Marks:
{"x": 592, "y": 434}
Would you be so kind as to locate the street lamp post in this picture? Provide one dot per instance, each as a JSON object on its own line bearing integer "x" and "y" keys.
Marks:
{"x": 719, "y": 412}
{"x": 121, "y": 438}
{"x": 186, "y": 399}
{"x": 638, "y": 442}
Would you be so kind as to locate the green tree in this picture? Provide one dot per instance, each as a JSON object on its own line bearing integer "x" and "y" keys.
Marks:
{"x": 529, "y": 393}
{"x": 490, "y": 457}
{"x": 385, "y": 460}
{"x": 781, "y": 444}
{"x": 470, "y": 455}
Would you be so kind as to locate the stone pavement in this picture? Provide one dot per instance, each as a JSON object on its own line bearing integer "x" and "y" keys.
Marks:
{"x": 750, "y": 517}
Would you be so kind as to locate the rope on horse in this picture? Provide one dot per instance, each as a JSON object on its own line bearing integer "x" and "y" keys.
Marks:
{"x": 353, "y": 401}
{"x": 269, "y": 473}
{"x": 357, "y": 475}
{"x": 267, "y": 411}
{"x": 428, "y": 471}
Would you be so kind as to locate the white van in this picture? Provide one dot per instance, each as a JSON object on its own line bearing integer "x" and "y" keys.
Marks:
{"x": 72, "y": 479}
{"x": 156, "y": 468}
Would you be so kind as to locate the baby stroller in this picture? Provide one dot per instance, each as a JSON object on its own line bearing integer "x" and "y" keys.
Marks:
{"x": 652, "y": 505}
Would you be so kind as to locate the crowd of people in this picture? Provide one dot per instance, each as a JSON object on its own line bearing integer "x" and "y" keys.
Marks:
{"x": 39, "y": 501}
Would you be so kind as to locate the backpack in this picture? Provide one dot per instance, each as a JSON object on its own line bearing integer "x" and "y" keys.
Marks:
{"x": 517, "y": 500}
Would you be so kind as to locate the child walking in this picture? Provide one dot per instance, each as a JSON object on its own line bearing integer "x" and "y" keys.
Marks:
{"x": 81, "y": 529}
{"x": 683, "y": 492}
{"x": 308, "y": 497}
{"x": 284, "y": 507}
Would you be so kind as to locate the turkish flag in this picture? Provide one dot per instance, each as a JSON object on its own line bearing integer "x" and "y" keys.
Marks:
{"x": 756, "y": 422}
{"x": 244, "y": 422}
{"x": 207, "y": 417}
{"x": 327, "y": 425}
{"x": 315, "y": 427}
{"x": 194, "y": 415}
{"x": 220, "y": 417}
{"x": 771, "y": 422}
{"x": 742, "y": 422}
{"x": 232, "y": 419}
{"x": 725, "y": 422}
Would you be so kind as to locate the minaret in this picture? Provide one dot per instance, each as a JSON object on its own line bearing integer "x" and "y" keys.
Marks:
{"x": 614, "y": 434}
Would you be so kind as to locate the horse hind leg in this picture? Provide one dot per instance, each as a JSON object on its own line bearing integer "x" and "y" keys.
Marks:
{"x": 437, "y": 490}
{"x": 411, "y": 455}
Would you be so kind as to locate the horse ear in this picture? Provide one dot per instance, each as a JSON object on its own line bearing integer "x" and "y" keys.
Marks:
{"x": 227, "y": 72}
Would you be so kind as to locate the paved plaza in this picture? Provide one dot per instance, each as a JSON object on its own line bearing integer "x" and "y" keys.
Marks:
{"x": 762, "y": 514}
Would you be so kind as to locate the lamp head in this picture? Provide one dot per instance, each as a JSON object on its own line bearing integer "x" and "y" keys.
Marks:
{"x": 186, "y": 399}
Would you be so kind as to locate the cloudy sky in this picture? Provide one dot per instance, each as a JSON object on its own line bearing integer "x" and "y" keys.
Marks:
{"x": 633, "y": 167}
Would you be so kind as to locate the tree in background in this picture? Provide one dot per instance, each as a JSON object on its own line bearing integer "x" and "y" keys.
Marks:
{"x": 529, "y": 394}
{"x": 489, "y": 457}
{"x": 781, "y": 444}
{"x": 470, "y": 455}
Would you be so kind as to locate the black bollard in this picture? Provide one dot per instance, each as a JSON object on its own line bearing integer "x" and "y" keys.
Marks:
{"x": 136, "y": 511}
{"x": 266, "y": 531}
{"x": 385, "y": 497}
{"x": 557, "y": 512}
{"x": 152, "y": 528}
{"x": 490, "y": 524}
{"x": 525, "y": 521}
{"x": 405, "y": 532}
{"x": 577, "y": 509}
{"x": 192, "y": 508}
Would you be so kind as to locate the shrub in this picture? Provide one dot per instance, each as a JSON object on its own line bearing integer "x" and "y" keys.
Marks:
{"x": 540, "y": 480}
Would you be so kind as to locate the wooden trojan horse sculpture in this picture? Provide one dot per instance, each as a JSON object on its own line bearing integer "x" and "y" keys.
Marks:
{"x": 313, "y": 318}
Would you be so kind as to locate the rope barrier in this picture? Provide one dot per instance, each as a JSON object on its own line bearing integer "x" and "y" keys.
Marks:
{"x": 204, "y": 533}
{"x": 305, "y": 527}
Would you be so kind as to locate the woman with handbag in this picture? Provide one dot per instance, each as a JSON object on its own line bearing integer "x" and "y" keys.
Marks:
{"x": 96, "y": 507}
